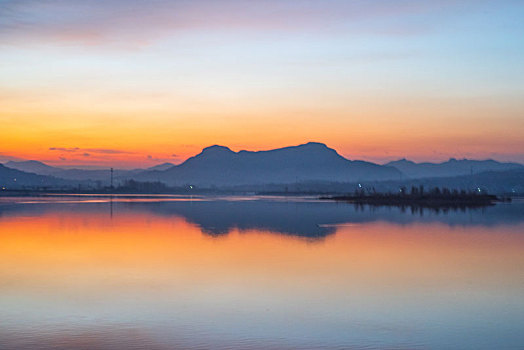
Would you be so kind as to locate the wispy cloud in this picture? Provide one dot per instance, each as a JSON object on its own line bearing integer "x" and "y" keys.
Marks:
{"x": 91, "y": 150}
{"x": 138, "y": 22}
{"x": 107, "y": 151}
{"x": 63, "y": 149}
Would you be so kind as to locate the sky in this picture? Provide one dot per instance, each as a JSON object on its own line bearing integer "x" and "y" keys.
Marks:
{"x": 131, "y": 83}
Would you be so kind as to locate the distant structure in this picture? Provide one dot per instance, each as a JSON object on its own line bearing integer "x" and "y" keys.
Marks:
{"x": 111, "y": 178}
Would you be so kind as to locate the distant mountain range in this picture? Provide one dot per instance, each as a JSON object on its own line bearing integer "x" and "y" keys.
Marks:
{"x": 33, "y": 166}
{"x": 452, "y": 167}
{"x": 220, "y": 167}
{"x": 103, "y": 175}
{"x": 13, "y": 178}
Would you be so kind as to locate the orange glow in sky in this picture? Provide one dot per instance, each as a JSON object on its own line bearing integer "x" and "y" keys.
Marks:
{"x": 81, "y": 85}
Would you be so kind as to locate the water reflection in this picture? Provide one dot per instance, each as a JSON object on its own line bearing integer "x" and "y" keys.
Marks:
{"x": 300, "y": 217}
{"x": 165, "y": 275}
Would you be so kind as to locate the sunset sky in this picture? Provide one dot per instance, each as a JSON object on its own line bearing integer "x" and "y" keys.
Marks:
{"x": 132, "y": 83}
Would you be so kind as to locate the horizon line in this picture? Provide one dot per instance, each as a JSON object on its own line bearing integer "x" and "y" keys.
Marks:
{"x": 177, "y": 161}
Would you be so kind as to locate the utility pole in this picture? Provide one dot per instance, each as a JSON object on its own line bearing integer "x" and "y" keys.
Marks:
{"x": 111, "y": 178}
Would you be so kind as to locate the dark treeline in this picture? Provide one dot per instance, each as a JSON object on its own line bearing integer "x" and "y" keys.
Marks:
{"x": 419, "y": 196}
{"x": 142, "y": 187}
{"x": 125, "y": 187}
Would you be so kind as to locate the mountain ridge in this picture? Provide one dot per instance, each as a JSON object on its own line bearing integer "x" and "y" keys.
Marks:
{"x": 220, "y": 166}
{"x": 451, "y": 167}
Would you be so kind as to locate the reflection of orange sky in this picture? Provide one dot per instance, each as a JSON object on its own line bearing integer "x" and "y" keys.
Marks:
{"x": 96, "y": 254}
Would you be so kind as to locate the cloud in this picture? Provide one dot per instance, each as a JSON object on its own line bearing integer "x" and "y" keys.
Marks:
{"x": 91, "y": 150}
{"x": 107, "y": 151}
{"x": 63, "y": 149}
{"x": 139, "y": 22}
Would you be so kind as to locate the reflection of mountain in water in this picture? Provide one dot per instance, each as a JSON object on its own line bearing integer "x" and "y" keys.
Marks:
{"x": 299, "y": 218}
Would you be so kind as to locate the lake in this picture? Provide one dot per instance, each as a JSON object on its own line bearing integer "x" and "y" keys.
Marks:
{"x": 174, "y": 272}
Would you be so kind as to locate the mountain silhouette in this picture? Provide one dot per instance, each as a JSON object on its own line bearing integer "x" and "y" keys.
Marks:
{"x": 16, "y": 179}
{"x": 452, "y": 167}
{"x": 312, "y": 166}
{"x": 220, "y": 166}
{"x": 32, "y": 166}
{"x": 160, "y": 167}
{"x": 39, "y": 168}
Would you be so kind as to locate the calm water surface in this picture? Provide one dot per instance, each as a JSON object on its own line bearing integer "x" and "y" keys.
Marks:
{"x": 257, "y": 273}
